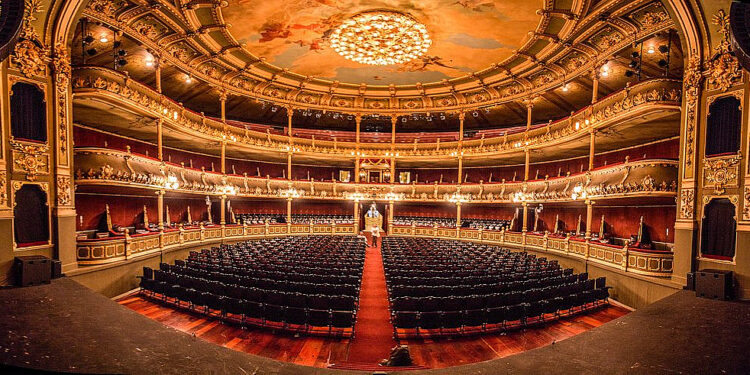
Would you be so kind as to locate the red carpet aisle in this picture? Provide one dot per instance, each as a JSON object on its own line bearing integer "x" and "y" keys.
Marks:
{"x": 373, "y": 330}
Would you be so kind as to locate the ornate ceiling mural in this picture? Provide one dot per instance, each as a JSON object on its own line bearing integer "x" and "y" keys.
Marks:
{"x": 467, "y": 36}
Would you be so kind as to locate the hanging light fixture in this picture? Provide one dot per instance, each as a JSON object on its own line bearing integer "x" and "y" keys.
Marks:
{"x": 380, "y": 37}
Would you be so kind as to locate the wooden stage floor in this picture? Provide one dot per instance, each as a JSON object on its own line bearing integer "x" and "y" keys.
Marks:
{"x": 320, "y": 352}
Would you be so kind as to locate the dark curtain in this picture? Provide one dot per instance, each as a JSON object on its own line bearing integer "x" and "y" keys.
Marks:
{"x": 28, "y": 115}
{"x": 719, "y": 229}
{"x": 723, "y": 127}
{"x": 31, "y": 217}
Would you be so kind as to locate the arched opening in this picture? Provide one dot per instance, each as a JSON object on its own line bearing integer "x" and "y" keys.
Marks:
{"x": 718, "y": 232}
{"x": 28, "y": 119}
{"x": 723, "y": 127}
{"x": 31, "y": 216}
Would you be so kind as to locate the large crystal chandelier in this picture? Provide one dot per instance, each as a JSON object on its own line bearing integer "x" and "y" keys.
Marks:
{"x": 380, "y": 37}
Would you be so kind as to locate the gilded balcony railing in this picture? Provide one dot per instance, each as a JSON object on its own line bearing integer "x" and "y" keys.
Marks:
{"x": 613, "y": 110}
{"x": 642, "y": 178}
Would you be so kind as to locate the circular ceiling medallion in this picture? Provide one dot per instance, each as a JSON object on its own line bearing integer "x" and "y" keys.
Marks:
{"x": 380, "y": 37}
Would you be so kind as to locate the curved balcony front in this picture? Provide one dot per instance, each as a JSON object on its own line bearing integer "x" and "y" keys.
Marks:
{"x": 642, "y": 179}
{"x": 644, "y": 112}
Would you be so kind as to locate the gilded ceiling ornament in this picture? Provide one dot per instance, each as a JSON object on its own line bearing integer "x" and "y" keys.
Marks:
{"x": 610, "y": 39}
{"x": 105, "y": 7}
{"x": 724, "y": 68}
{"x": 652, "y": 19}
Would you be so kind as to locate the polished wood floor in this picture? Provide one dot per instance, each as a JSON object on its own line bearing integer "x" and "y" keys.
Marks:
{"x": 320, "y": 352}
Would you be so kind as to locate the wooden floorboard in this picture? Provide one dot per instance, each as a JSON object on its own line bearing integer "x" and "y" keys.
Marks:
{"x": 318, "y": 351}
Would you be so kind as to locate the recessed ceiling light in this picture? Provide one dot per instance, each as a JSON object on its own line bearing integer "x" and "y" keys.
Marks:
{"x": 565, "y": 87}
{"x": 188, "y": 79}
{"x": 651, "y": 49}
{"x": 103, "y": 39}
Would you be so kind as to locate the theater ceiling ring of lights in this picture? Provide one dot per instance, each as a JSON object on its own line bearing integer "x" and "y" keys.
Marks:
{"x": 478, "y": 53}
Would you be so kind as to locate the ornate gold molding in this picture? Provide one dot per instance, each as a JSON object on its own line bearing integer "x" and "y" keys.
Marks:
{"x": 721, "y": 173}
{"x": 30, "y": 159}
{"x": 723, "y": 68}
{"x": 63, "y": 191}
{"x": 687, "y": 203}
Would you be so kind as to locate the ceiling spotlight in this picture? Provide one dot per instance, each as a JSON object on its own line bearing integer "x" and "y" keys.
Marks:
{"x": 149, "y": 63}
{"x": 651, "y": 49}
{"x": 605, "y": 68}
{"x": 663, "y": 49}
{"x": 91, "y": 51}
{"x": 565, "y": 87}
{"x": 103, "y": 39}
{"x": 188, "y": 79}
{"x": 605, "y": 73}
{"x": 403, "y": 119}
{"x": 88, "y": 39}
{"x": 475, "y": 114}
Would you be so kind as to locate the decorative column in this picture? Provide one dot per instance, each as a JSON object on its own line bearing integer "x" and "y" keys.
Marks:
{"x": 289, "y": 115}
{"x": 458, "y": 215}
{"x": 289, "y": 211}
{"x": 394, "y": 121}
{"x": 358, "y": 119}
{"x": 589, "y": 217}
{"x": 223, "y": 210}
{"x": 525, "y": 217}
{"x": 223, "y": 100}
{"x": 686, "y": 225}
{"x": 60, "y": 130}
{"x": 529, "y": 106}
{"x": 356, "y": 217}
{"x": 390, "y": 217}
{"x": 160, "y": 208}
{"x": 158, "y": 75}
{"x": 595, "y": 85}
{"x": 461, "y": 118}
{"x": 224, "y": 156}
{"x": 526, "y": 163}
{"x": 160, "y": 138}
{"x": 592, "y": 138}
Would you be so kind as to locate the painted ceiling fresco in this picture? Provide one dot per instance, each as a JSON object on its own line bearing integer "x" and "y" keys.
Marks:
{"x": 467, "y": 35}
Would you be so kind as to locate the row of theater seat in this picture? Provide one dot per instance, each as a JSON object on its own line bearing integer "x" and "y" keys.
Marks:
{"x": 233, "y": 282}
{"x": 244, "y": 312}
{"x": 424, "y": 221}
{"x": 256, "y": 218}
{"x": 430, "y": 299}
{"x": 473, "y": 321}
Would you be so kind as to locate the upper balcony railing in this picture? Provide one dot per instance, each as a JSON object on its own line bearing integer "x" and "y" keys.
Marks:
{"x": 655, "y": 95}
{"x": 650, "y": 177}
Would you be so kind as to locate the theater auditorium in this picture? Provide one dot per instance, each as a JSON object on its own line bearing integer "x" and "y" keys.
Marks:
{"x": 374, "y": 186}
